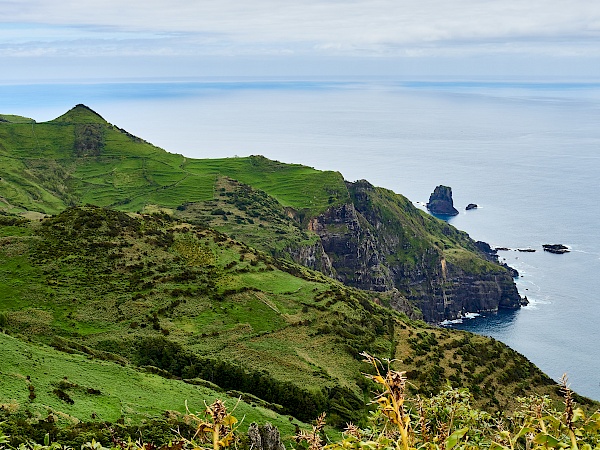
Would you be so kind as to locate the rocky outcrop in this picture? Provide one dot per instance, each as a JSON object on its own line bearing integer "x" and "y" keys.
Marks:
{"x": 264, "y": 437}
{"x": 352, "y": 248}
{"x": 556, "y": 248}
{"x": 314, "y": 257}
{"x": 454, "y": 292}
{"x": 471, "y": 206}
{"x": 440, "y": 202}
{"x": 401, "y": 304}
{"x": 381, "y": 242}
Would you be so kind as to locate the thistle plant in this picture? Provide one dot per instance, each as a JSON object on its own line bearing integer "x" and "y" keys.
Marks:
{"x": 218, "y": 428}
{"x": 540, "y": 426}
{"x": 313, "y": 437}
{"x": 391, "y": 401}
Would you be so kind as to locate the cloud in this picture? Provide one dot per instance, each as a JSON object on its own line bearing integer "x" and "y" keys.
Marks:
{"x": 341, "y": 27}
{"x": 195, "y": 38}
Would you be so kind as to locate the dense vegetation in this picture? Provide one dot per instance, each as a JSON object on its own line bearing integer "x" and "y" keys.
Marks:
{"x": 192, "y": 303}
{"x": 399, "y": 421}
{"x": 132, "y": 280}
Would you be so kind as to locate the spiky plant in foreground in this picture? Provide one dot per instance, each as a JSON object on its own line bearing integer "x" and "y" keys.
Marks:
{"x": 218, "y": 427}
{"x": 313, "y": 437}
{"x": 447, "y": 421}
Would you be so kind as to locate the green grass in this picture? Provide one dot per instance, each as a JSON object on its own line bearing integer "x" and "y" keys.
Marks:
{"x": 15, "y": 119}
{"x": 469, "y": 262}
{"x": 124, "y": 392}
{"x": 14, "y": 231}
{"x": 292, "y": 185}
{"x": 19, "y": 279}
{"x": 79, "y": 114}
{"x": 122, "y": 170}
{"x": 277, "y": 282}
{"x": 110, "y": 281}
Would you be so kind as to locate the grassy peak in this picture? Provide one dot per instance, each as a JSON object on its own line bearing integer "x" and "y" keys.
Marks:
{"x": 80, "y": 114}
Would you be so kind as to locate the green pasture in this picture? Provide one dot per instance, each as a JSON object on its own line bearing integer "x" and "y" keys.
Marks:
{"x": 103, "y": 391}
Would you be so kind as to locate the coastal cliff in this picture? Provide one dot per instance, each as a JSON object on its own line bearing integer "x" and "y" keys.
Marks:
{"x": 380, "y": 241}
{"x": 375, "y": 240}
{"x": 365, "y": 236}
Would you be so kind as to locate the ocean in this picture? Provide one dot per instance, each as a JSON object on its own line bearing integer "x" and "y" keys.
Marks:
{"x": 527, "y": 153}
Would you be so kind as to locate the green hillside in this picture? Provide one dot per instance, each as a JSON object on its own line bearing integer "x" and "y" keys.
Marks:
{"x": 39, "y": 382}
{"x": 125, "y": 258}
{"x": 192, "y": 301}
{"x": 80, "y": 158}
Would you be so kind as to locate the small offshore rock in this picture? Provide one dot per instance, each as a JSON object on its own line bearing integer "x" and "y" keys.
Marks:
{"x": 556, "y": 248}
{"x": 471, "y": 206}
{"x": 530, "y": 250}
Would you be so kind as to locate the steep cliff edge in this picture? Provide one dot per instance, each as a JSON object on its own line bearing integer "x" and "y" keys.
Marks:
{"x": 380, "y": 241}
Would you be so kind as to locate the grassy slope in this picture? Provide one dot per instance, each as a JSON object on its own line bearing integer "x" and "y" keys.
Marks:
{"x": 113, "y": 282}
{"x": 104, "y": 165}
{"x": 249, "y": 215}
{"x": 103, "y": 389}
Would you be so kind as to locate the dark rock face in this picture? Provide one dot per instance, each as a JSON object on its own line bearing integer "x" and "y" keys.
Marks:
{"x": 313, "y": 257}
{"x": 380, "y": 249}
{"x": 484, "y": 247}
{"x": 440, "y": 202}
{"x": 264, "y": 437}
{"x": 556, "y": 248}
{"x": 400, "y": 303}
{"x": 352, "y": 248}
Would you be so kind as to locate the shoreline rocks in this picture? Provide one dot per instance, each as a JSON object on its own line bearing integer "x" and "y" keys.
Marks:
{"x": 492, "y": 255}
{"x": 556, "y": 248}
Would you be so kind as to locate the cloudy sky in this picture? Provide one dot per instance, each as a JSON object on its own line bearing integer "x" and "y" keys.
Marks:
{"x": 110, "y": 39}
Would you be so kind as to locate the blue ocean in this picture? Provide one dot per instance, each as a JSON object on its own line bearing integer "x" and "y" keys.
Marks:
{"x": 527, "y": 153}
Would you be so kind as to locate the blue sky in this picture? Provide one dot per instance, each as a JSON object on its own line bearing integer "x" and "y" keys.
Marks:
{"x": 108, "y": 39}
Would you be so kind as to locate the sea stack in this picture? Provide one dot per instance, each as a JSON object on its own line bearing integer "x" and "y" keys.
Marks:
{"x": 440, "y": 202}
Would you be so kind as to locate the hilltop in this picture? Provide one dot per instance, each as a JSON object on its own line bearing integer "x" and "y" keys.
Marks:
{"x": 362, "y": 235}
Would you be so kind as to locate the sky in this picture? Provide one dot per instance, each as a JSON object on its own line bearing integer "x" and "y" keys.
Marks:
{"x": 414, "y": 39}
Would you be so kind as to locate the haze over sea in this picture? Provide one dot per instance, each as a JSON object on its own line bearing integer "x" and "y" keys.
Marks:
{"x": 528, "y": 154}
